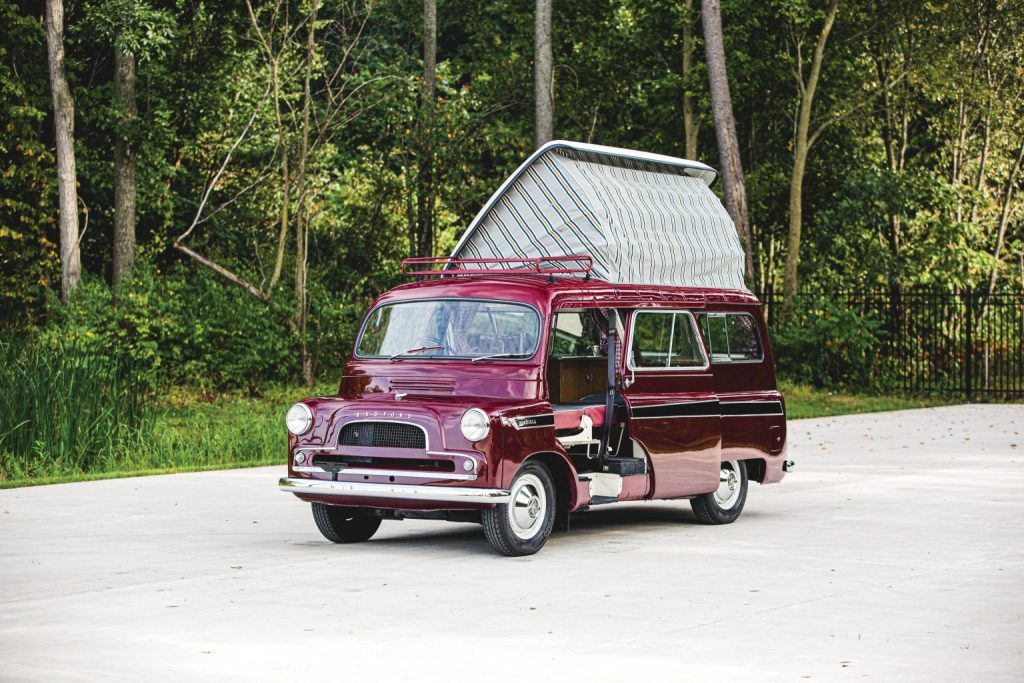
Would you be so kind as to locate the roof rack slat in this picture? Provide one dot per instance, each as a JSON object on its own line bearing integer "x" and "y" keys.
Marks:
{"x": 576, "y": 264}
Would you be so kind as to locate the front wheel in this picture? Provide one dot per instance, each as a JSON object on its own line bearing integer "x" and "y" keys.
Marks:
{"x": 343, "y": 525}
{"x": 522, "y": 525}
{"x": 725, "y": 504}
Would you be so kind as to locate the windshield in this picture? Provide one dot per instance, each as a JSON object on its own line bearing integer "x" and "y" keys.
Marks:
{"x": 450, "y": 328}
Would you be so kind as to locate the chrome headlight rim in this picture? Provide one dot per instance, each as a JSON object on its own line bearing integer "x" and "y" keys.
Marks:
{"x": 299, "y": 419}
{"x": 475, "y": 425}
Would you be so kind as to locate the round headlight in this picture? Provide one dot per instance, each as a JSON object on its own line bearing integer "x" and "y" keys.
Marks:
{"x": 475, "y": 425}
{"x": 299, "y": 419}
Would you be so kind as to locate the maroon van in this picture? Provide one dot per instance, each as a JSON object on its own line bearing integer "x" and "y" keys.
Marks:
{"x": 515, "y": 390}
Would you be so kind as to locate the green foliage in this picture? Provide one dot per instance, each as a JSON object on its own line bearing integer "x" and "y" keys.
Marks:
{"x": 134, "y": 26}
{"x": 65, "y": 407}
{"x": 182, "y": 327}
{"x": 828, "y": 345}
{"x": 29, "y": 263}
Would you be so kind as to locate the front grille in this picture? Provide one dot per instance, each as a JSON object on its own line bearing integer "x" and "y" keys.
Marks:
{"x": 382, "y": 435}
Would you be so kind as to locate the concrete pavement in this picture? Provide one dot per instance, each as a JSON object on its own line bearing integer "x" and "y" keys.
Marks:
{"x": 895, "y": 551}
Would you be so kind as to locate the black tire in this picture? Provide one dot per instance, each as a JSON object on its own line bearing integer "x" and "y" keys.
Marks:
{"x": 343, "y": 525}
{"x": 713, "y": 508}
{"x": 533, "y": 500}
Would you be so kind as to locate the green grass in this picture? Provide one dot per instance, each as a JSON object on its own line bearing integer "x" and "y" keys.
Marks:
{"x": 803, "y": 401}
{"x": 196, "y": 432}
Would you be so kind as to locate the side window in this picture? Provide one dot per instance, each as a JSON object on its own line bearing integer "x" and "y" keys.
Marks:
{"x": 579, "y": 333}
{"x": 731, "y": 336}
{"x": 744, "y": 342}
{"x": 665, "y": 340}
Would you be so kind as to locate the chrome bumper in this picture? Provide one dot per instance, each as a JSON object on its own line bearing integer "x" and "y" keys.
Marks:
{"x": 432, "y": 494}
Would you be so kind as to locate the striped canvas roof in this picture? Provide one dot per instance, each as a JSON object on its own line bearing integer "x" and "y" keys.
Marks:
{"x": 643, "y": 218}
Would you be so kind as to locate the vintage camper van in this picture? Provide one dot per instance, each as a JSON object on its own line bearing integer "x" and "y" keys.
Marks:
{"x": 589, "y": 341}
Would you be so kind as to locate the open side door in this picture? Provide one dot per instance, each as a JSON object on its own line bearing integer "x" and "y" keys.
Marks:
{"x": 673, "y": 410}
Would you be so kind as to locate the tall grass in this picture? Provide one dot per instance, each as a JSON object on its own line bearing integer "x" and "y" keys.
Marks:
{"x": 65, "y": 408}
{"x": 185, "y": 429}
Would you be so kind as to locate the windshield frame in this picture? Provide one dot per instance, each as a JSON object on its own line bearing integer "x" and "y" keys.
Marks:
{"x": 463, "y": 359}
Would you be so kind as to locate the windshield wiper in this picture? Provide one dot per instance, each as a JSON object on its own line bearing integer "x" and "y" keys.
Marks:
{"x": 412, "y": 351}
{"x": 498, "y": 355}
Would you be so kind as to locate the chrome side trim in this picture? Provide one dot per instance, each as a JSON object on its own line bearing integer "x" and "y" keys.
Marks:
{"x": 675, "y": 417}
{"x": 411, "y": 474}
{"x": 539, "y": 421}
{"x": 755, "y": 415}
{"x": 436, "y": 494}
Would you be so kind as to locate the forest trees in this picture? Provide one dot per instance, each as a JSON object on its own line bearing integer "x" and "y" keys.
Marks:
{"x": 289, "y": 153}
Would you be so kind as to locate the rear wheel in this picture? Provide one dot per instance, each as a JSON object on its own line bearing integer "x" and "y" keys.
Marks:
{"x": 725, "y": 504}
{"x": 343, "y": 525}
{"x": 522, "y": 525}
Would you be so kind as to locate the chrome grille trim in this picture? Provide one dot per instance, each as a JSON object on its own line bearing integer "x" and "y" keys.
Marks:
{"x": 383, "y": 434}
{"x": 408, "y": 474}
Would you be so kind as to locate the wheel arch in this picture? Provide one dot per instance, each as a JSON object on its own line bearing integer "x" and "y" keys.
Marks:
{"x": 563, "y": 474}
{"x": 756, "y": 469}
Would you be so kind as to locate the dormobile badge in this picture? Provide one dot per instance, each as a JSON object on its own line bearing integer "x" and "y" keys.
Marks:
{"x": 616, "y": 358}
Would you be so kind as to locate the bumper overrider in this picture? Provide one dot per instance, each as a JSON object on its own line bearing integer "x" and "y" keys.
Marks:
{"x": 431, "y": 494}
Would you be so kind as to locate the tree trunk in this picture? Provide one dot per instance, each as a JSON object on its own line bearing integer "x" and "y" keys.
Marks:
{"x": 64, "y": 130}
{"x": 302, "y": 217}
{"x": 725, "y": 127}
{"x": 801, "y": 147}
{"x": 286, "y": 199}
{"x": 543, "y": 75}
{"x": 1004, "y": 219}
{"x": 124, "y": 167}
{"x": 273, "y": 60}
{"x": 425, "y": 178}
{"x": 691, "y": 128}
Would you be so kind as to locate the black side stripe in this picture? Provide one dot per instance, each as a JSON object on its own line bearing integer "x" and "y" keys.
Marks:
{"x": 731, "y": 408}
{"x": 691, "y": 409}
{"x": 708, "y": 409}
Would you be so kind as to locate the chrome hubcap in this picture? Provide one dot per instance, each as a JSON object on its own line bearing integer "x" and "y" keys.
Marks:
{"x": 729, "y": 484}
{"x": 526, "y": 509}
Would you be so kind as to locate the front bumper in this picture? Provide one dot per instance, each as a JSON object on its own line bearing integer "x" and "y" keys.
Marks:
{"x": 431, "y": 494}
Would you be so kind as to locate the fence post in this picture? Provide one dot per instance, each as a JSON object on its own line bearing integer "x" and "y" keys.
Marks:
{"x": 968, "y": 342}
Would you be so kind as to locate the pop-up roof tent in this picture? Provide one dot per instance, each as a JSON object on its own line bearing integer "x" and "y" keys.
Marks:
{"x": 642, "y": 218}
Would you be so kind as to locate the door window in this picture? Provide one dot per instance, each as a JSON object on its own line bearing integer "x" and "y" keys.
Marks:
{"x": 576, "y": 334}
{"x": 665, "y": 339}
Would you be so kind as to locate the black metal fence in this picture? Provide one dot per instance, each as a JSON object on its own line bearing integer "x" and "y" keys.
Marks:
{"x": 966, "y": 343}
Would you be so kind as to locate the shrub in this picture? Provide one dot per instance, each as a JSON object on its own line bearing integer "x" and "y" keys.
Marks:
{"x": 183, "y": 327}
{"x": 828, "y": 344}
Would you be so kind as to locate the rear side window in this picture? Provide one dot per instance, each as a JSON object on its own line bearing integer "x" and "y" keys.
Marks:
{"x": 731, "y": 336}
{"x": 665, "y": 340}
